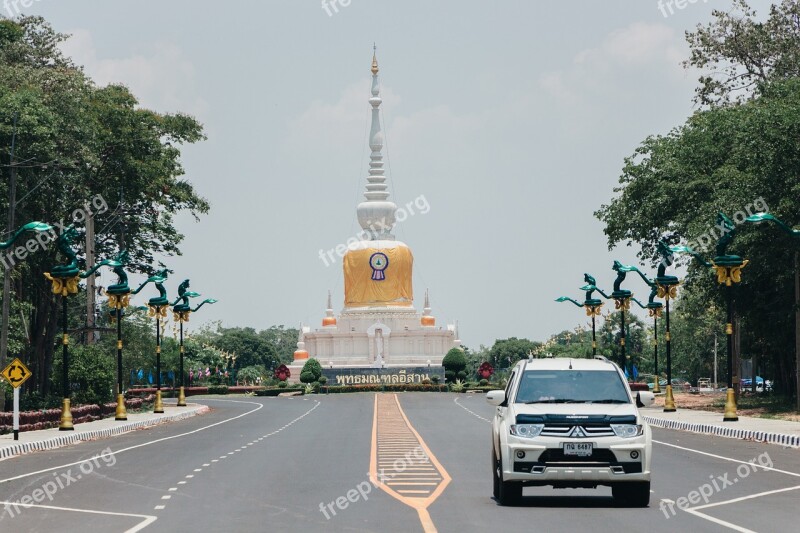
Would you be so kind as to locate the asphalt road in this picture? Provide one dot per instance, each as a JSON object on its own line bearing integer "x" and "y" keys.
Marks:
{"x": 294, "y": 464}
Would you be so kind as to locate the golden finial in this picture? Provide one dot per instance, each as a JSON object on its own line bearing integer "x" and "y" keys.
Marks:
{"x": 374, "y": 60}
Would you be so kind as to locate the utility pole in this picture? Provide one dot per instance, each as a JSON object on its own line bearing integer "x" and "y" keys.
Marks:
{"x": 715, "y": 361}
{"x": 12, "y": 201}
{"x": 90, "y": 289}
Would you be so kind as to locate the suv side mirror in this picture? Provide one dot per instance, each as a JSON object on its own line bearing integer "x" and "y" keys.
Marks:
{"x": 496, "y": 397}
{"x": 645, "y": 399}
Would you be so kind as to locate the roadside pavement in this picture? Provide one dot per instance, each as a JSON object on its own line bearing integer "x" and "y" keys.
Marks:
{"x": 782, "y": 432}
{"x": 48, "y": 439}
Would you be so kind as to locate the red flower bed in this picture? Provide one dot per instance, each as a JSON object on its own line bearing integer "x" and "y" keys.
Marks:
{"x": 49, "y": 418}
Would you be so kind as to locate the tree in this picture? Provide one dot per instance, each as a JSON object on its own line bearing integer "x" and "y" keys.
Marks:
{"x": 506, "y": 352}
{"x": 250, "y": 347}
{"x": 740, "y": 56}
{"x": 283, "y": 340}
{"x": 79, "y": 142}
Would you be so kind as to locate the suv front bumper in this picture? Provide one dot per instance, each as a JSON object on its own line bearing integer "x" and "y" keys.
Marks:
{"x": 546, "y": 464}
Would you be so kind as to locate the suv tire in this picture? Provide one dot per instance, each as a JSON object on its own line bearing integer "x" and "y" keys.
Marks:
{"x": 632, "y": 494}
{"x": 508, "y": 492}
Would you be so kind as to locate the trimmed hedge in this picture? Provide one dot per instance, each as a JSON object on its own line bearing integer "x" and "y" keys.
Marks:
{"x": 275, "y": 392}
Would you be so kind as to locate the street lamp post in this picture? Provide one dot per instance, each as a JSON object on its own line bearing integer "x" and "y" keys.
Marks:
{"x": 181, "y": 312}
{"x": 728, "y": 269}
{"x": 118, "y": 298}
{"x": 654, "y": 311}
{"x": 667, "y": 287}
{"x": 158, "y": 308}
{"x": 622, "y": 302}
{"x": 766, "y": 217}
{"x": 65, "y": 280}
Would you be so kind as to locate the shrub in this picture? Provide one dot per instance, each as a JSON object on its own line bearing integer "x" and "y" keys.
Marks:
{"x": 435, "y": 380}
{"x": 458, "y": 386}
{"x": 282, "y": 384}
{"x": 312, "y": 370}
{"x": 218, "y": 389}
{"x": 461, "y": 375}
{"x": 93, "y": 370}
{"x": 483, "y": 382}
{"x": 427, "y": 381}
{"x": 322, "y": 380}
{"x": 454, "y": 363}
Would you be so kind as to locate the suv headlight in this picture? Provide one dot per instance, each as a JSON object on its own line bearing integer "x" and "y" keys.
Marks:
{"x": 627, "y": 431}
{"x": 527, "y": 431}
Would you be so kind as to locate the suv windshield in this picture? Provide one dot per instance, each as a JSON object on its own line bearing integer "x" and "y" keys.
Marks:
{"x": 571, "y": 386}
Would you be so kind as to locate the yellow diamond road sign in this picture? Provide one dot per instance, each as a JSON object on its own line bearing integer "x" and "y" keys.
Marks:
{"x": 16, "y": 373}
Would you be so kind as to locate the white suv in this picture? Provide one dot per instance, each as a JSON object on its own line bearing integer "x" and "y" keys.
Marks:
{"x": 570, "y": 423}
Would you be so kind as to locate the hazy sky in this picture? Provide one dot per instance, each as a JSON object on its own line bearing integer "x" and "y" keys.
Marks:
{"x": 510, "y": 118}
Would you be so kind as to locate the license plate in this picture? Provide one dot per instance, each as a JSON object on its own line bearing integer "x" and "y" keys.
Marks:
{"x": 582, "y": 449}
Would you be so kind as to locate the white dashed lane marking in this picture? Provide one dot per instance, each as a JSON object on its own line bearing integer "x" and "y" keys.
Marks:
{"x": 243, "y": 448}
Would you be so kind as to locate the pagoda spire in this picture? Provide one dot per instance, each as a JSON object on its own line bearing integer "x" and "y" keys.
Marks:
{"x": 376, "y": 215}
{"x": 427, "y": 318}
{"x": 329, "y": 319}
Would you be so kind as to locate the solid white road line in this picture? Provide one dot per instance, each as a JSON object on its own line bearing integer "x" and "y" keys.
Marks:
{"x": 696, "y": 510}
{"x": 260, "y": 406}
{"x": 147, "y": 519}
{"x": 755, "y": 465}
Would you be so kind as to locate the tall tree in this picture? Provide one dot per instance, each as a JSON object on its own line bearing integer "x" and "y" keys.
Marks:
{"x": 739, "y": 55}
{"x": 80, "y": 148}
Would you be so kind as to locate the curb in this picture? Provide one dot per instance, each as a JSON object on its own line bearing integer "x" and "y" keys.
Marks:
{"x": 73, "y": 438}
{"x": 731, "y": 433}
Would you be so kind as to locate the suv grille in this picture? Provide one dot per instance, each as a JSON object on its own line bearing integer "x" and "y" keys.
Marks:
{"x": 577, "y": 432}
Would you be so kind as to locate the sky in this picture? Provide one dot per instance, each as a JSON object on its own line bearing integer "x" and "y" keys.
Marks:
{"x": 506, "y": 122}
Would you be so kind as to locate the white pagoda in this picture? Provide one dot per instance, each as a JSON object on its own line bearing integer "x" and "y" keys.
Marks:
{"x": 378, "y": 327}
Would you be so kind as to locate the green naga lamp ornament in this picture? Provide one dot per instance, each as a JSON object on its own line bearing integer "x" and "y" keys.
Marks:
{"x": 64, "y": 279}
{"x": 728, "y": 269}
{"x": 118, "y": 299}
{"x": 181, "y": 312}
{"x": 30, "y": 226}
{"x": 591, "y": 304}
{"x": 157, "y": 307}
{"x": 622, "y": 301}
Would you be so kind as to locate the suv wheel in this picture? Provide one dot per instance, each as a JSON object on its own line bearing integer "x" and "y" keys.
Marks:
{"x": 508, "y": 492}
{"x": 634, "y": 494}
